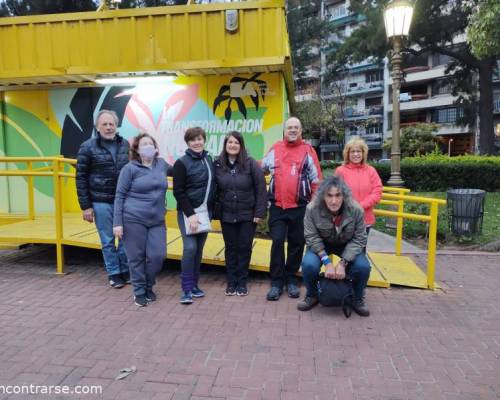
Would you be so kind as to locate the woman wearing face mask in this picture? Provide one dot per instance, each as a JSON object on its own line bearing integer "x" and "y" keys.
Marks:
{"x": 242, "y": 199}
{"x": 139, "y": 215}
{"x": 361, "y": 178}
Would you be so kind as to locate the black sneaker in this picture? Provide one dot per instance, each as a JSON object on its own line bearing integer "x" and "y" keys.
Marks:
{"x": 242, "y": 290}
{"x": 126, "y": 277}
{"x": 360, "y": 308}
{"x": 141, "y": 300}
{"x": 307, "y": 304}
{"x": 230, "y": 290}
{"x": 116, "y": 281}
{"x": 150, "y": 295}
{"x": 293, "y": 290}
{"x": 274, "y": 293}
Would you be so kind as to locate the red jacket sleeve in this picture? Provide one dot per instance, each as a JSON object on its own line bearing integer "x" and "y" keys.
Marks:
{"x": 376, "y": 190}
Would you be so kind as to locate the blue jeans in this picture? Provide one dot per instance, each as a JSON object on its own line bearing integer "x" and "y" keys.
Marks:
{"x": 358, "y": 269}
{"x": 192, "y": 251}
{"x": 115, "y": 259}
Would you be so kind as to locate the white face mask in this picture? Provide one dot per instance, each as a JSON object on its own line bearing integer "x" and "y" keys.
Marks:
{"x": 147, "y": 152}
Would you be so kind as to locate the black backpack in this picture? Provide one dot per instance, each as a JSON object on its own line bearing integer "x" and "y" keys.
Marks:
{"x": 336, "y": 293}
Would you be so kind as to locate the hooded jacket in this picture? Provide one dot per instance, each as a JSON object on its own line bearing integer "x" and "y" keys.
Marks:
{"x": 365, "y": 184}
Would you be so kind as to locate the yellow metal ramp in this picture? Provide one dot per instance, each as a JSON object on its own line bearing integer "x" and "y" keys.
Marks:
{"x": 398, "y": 270}
{"x": 387, "y": 269}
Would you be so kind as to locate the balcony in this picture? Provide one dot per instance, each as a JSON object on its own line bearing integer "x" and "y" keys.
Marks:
{"x": 443, "y": 129}
{"x": 374, "y": 141}
{"x": 418, "y": 102}
{"x": 311, "y": 73}
{"x": 305, "y": 95}
{"x": 353, "y": 114}
{"x": 421, "y": 74}
{"x": 360, "y": 88}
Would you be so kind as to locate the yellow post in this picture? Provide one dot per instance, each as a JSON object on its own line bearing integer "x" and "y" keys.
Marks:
{"x": 58, "y": 216}
{"x": 431, "y": 256}
{"x": 31, "y": 193}
{"x": 399, "y": 226}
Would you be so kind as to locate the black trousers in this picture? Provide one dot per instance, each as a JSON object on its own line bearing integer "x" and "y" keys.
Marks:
{"x": 286, "y": 224}
{"x": 238, "y": 240}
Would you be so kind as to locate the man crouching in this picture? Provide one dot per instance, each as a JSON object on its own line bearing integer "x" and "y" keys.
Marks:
{"x": 333, "y": 223}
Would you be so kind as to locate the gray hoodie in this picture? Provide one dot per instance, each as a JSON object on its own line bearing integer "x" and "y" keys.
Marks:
{"x": 140, "y": 193}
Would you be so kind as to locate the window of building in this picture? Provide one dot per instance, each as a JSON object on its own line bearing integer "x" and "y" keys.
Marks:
{"x": 374, "y": 129}
{"x": 440, "y": 59}
{"x": 441, "y": 86}
{"x": 374, "y": 76}
{"x": 374, "y": 101}
{"x": 447, "y": 115}
{"x": 337, "y": 11}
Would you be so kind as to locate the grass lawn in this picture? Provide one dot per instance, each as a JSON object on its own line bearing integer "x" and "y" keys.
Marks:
{"x": 415, "y": 230}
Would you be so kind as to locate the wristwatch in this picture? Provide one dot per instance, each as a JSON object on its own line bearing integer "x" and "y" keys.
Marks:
{"x": 344, "y": 262}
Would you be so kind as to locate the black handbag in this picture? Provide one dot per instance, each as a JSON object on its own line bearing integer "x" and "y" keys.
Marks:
{"x": 336, "y": 293}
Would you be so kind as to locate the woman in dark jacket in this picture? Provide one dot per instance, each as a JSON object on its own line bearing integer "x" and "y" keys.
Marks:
{"x": 194, "y": 190}
{"x": 241, "y": 204}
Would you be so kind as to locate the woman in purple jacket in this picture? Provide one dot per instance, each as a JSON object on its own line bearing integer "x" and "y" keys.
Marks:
{"x": 241, "y": 204}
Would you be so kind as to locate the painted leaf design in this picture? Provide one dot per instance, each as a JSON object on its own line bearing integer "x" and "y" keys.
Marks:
{"x": 223, "y": 89}
{"x": 219, "y": 100}
{"x": 78, "y": 124}
{"x": 241, "y": 106}
{"x": 255, "y": 101}
{"x": 228, "y": 112}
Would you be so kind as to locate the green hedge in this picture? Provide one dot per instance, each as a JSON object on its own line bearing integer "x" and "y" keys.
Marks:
{"x": 440, "y": 172}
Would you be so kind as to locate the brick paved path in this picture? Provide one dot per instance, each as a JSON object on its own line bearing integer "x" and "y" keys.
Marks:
{"x": 74, "y": 330}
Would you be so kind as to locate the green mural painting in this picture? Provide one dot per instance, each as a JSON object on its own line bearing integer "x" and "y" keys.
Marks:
{"x": 48, "y": 123}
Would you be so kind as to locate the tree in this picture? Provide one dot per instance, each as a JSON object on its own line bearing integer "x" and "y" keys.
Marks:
{"x": 306, "y": 29}
{"x": 483, "y": 33}
{"x": 416, "y": 140}
{"x": 35, "y": 7}
{"x": 435, "y": 26}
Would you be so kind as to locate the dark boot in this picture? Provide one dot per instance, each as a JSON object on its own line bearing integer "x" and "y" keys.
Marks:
{"x": 360, "y": 308}
{"x": 307, "y": 304}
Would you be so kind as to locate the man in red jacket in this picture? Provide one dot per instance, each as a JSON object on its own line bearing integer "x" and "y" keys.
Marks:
{"x": 295, "y": 175}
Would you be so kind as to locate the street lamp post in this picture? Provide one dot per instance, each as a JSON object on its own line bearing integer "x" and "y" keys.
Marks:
{"x": 397, "y": 18}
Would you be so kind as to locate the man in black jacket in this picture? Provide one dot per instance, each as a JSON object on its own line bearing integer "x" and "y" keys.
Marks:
{"x": 98, "y": 166}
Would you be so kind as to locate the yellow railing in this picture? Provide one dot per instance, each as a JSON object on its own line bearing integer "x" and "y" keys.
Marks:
{"x": 55, "y": 170}
{"x": 397, "y": 197}
{"x": 391, "y": 196}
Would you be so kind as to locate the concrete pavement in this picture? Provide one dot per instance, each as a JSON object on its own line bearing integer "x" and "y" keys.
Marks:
{"x": 417, "y": 344}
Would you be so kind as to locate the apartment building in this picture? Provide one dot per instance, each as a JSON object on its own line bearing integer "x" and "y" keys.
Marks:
{"x": 360, "y": 89}
{"x": 426, "y": 97}
{"x": 365, "y": 92}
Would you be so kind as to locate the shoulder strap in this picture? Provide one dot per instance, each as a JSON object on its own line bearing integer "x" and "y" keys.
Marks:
{"x": 205, "y": 200}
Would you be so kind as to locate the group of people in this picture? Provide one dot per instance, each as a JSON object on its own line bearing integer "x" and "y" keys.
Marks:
{"x": 123, "y": 188}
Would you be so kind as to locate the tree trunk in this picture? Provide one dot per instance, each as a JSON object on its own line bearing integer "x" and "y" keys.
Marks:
{"x": 486, "y": 129}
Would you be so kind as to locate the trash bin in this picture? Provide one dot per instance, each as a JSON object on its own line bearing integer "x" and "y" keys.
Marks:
{"x": 465, "y": 211}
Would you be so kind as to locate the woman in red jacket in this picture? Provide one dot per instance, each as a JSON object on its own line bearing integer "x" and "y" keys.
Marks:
{"x": 362, "y": 179}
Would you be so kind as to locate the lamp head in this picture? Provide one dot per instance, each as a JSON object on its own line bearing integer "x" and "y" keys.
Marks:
{"x": 397, "y": 18}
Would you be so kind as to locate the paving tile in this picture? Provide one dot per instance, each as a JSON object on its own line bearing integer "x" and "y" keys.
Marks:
{"x": 75, "y": 330}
